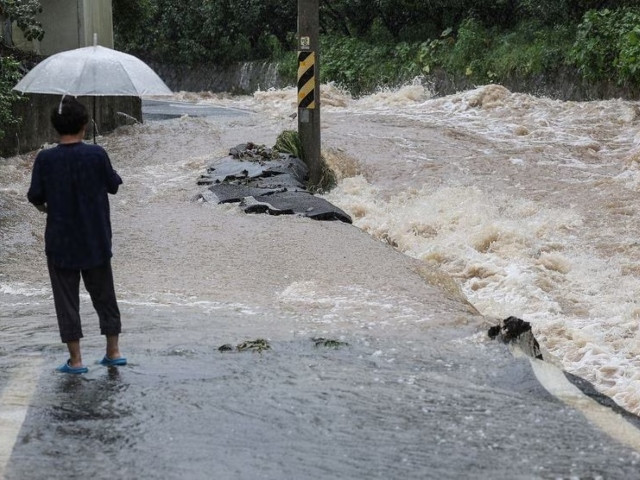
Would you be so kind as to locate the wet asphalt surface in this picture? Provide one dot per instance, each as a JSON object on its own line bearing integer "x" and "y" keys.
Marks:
{"x": 375, "y": 408}
{"x": 164, "y": 110}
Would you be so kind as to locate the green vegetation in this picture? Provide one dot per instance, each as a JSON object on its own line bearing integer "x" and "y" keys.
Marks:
{"x": 370, "y": 45}
{"x": 487, "y": 54}
{"x": 363, "y": 67}
{"x": 289, "y": 142}
{"x": 608, "y": 45}
{"x": 9, "y": 76}
{"x": 23, "y": 13}
{"x": 192, "y": 31}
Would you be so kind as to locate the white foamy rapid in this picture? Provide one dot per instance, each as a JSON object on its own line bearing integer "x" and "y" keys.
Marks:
{"x": 529, "y": 203}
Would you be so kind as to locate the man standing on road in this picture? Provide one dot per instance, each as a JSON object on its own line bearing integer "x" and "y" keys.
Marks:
{"x": 70, "y": 183}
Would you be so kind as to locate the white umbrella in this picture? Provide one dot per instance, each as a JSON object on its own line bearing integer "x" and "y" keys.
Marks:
{"x": 93, "y": 71}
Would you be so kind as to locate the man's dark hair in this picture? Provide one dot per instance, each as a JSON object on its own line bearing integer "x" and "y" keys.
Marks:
{"x": 69, "y": 117}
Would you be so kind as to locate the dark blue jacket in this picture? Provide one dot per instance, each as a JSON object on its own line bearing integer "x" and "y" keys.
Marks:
{"x": 74, "y": 180}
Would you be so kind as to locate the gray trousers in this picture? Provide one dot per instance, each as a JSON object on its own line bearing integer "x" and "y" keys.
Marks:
{"x": 98, "y": 281}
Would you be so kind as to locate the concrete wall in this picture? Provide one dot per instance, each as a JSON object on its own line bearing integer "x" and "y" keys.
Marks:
{"x": 564, "y": 84}
{"x": 35, "y": 127}
{"x": 246, "y": 77}
{"x": 96, "y": 17}
{"x": 70, "y": 24}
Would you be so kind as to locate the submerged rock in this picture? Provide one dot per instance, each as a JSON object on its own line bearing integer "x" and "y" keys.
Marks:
{"x": 515, "y": 330}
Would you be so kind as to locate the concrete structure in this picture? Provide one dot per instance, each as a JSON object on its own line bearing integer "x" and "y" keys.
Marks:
{"x": 34, "y": 129}
{"x": 70, "y": 24}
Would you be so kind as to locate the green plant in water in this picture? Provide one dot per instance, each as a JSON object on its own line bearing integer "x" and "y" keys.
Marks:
{"x": 258, "y": 345}
{"x": 327, "y": 180}
{"x": 289, "y": 142}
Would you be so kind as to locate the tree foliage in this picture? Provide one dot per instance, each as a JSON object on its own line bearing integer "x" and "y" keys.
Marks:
{"x": 190, "y": 31}
{"x": 24, "y": 12}
{"x": 607, "y": 44}
{"x": 9, "y": 76}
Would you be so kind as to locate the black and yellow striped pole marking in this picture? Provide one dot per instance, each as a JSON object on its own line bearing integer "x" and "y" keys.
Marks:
{"x": 306, "y": 80}
{"x": 309, "y": 87}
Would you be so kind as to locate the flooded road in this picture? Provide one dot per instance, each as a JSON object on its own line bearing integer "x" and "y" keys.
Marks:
{"x": 469, "y": 220}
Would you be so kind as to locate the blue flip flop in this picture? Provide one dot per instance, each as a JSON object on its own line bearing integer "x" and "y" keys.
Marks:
{"x": 66, "y": 368}
{"x": 113, "y": 362}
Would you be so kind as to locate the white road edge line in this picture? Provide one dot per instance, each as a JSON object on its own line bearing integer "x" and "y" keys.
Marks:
{"x": 610, "y": 422}
{"x": 14, "y": 404}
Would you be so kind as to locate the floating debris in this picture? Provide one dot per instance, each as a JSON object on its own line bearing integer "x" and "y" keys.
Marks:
{"x": 329, "y": 343}
{"x": 227, "y": 347}
{"x": 258, "y": 345}
{"x": 251, "y": 151}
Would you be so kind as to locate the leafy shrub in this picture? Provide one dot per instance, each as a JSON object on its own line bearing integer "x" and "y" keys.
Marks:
{"x": 9, "y": 76}
{"x": 606, "y": 44}
{"x": 288, "y": 67}
{"x": 24, "y": 12}
{"x": 433, "y": 53}
{"x": 489, "y": 55}
{"x": 289, "y": 142}
{"x": 362, "y": 67}
{"x": 470, "y": 49}
{"x": 628, "y": 61}
{"x": 529, "y": 49}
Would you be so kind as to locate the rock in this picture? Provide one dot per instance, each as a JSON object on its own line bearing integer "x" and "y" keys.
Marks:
{"x": 516, "y": 330}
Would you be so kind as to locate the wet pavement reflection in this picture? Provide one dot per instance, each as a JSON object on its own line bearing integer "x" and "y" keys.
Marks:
{"x": 397, "y": 407}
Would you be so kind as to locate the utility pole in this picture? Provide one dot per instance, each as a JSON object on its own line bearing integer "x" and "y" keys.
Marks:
{"x": 309, "y": 85}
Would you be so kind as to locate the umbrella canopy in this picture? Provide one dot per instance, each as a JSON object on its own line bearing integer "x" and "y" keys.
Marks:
{"x": 93, "y": 71}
